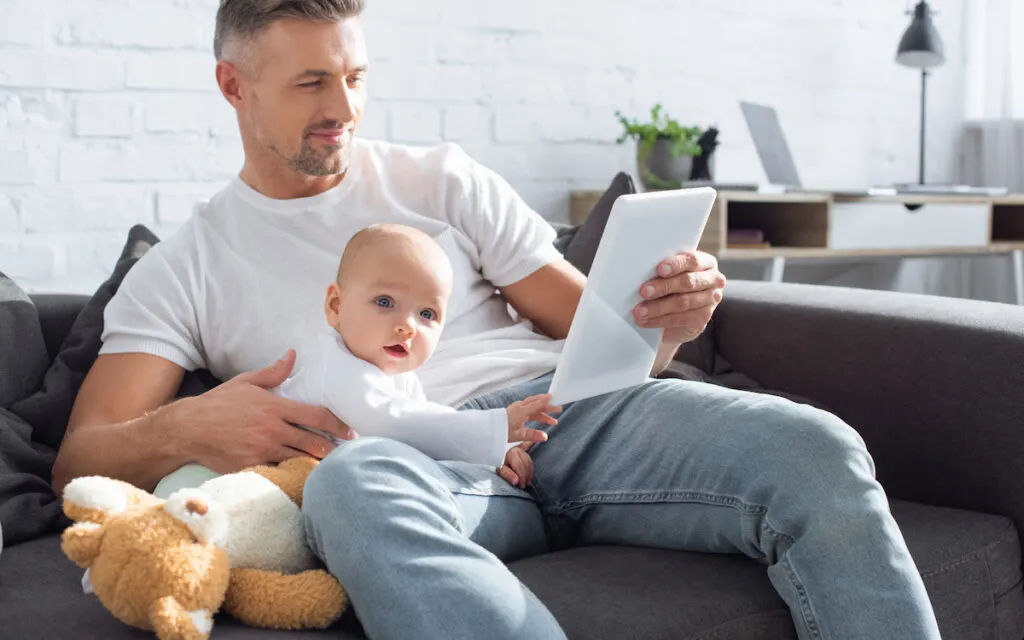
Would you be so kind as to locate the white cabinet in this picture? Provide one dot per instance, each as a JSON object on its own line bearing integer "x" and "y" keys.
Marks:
{"x": 894, "y": 225}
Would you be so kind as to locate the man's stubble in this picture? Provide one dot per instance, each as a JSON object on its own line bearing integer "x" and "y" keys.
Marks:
{"x": 332, "y": 161}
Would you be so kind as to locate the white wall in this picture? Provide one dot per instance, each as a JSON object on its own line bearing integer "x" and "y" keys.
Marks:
{"x": 109, "y": 114}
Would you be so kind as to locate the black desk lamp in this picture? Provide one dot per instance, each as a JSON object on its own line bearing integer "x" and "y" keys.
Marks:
{"x": 921, "y": 48}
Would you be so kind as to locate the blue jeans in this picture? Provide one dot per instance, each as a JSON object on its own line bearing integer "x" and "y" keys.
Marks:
{"x": 420, "y": 545}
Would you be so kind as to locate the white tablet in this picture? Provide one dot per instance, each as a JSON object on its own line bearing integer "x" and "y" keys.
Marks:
{"x": 606, "y": 350}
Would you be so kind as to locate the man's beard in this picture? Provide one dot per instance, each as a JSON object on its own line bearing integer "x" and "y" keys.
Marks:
{"x": 331, "y": 161}
{"x": 309, "y": 161}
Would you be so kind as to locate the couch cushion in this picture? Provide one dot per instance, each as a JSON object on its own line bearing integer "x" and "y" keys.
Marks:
{"x": 41, "y": 597}
{"x": 970, "y": 561}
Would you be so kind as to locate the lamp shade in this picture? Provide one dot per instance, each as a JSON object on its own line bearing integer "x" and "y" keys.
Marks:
{"x": 921, "y": 46}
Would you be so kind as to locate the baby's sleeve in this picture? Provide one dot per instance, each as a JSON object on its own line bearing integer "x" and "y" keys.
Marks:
{"x": 371, "y": 403}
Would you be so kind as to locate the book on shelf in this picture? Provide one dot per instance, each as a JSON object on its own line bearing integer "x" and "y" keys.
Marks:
{"x": 749, "y": 245}
{"x": 746, "y": 239}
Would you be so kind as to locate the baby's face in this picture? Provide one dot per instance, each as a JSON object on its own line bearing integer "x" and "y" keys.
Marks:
{"x": 392, "y": 316}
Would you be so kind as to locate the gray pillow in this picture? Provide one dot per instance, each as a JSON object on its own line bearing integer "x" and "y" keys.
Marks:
{"x": 28, "y": 507}
{"x": 23, "y": 358}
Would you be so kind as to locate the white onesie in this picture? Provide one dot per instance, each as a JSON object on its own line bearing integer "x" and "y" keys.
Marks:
{"x": 377, "y": 404}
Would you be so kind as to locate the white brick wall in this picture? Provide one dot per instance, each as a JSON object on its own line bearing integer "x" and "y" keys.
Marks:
{"x": 107, "y": 122}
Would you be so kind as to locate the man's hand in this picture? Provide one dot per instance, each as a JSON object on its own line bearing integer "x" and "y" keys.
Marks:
{"x": 518, "y": 467}
{"x": 242, "y": 423}
{"x": 683, "y": 298}
{"x": 532, "y": 409}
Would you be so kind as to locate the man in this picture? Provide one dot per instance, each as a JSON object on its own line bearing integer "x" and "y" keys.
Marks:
{"x": 418, "y": 543}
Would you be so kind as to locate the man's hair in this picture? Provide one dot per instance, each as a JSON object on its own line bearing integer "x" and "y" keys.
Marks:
{"x": 244, "y": 19}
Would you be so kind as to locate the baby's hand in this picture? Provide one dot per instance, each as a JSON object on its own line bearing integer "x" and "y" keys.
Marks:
{"x": 518, "y": 467}
{"x": 532, "y": 409}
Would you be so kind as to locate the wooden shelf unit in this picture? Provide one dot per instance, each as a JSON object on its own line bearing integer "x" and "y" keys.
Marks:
{"x": 821, "y": 226}
{"x": 806, "y": 224}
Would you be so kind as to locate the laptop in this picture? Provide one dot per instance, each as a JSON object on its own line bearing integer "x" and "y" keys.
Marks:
{"x": 772, "y": 149}
{"x": 771, "y": 145}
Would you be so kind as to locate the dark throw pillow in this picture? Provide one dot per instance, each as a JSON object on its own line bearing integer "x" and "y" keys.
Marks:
{"x": 583, "y": 245}
{"x": 49, "y": 409}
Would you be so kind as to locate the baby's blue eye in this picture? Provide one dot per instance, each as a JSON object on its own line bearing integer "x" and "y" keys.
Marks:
{"x": 428, "y": 314}
{"x": 385, "y": 302}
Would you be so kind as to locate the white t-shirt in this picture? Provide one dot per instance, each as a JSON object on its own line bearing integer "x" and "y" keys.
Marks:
{"x": 375, "y": 403}
{"x": 244, "y": 279}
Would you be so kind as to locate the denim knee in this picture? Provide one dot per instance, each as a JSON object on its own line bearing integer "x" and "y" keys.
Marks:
{"x": 344, "y": 487}
{"x": 819, "y": 435}
{"x": 349, "y": 467}
{"x": 823, "y": 456}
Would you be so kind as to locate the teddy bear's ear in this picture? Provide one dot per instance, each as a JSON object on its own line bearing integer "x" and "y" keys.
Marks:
{"x": 94, "y": 498}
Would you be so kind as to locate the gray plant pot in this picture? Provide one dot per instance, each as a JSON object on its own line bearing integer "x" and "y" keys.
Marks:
{"x": 669, "y": 172}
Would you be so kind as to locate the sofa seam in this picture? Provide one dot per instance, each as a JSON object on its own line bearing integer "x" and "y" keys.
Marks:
{"x": 725, "y": 629}
{"x": 1014, "y": 587}
{"x": 991, "y": 592}
{"x": 973, "y": 555}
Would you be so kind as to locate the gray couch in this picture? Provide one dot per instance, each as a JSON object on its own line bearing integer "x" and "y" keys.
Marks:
{"x": 935, "y": 386}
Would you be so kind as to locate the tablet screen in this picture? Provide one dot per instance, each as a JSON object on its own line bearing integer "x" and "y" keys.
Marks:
{"x": 606, "y": 350}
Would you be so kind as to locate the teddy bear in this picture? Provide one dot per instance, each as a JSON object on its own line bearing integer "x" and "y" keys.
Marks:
{"x": 235, "y": 542}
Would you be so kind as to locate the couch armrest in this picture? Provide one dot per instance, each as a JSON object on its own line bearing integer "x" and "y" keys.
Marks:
{"x": 934, "y": 385}
{"x": 57, "y": 312}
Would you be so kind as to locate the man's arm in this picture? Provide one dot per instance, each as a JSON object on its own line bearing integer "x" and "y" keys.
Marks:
{"x": 119, "y": 427}
{"x": 548, "y": 297}
{"x": 123, "y": 427}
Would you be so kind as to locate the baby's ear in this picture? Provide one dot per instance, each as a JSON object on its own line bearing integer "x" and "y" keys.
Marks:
{"x": 94, "y": 498}
{"x": 332, "y": 303}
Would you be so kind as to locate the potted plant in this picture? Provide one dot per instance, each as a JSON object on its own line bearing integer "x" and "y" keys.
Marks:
{"x": 665, "y": 149}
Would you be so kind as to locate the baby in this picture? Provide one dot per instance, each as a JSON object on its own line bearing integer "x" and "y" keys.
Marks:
{"x": 385, "y": 313}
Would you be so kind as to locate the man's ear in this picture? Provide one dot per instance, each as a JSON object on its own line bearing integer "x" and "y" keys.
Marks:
{"x": 229, "y": 80}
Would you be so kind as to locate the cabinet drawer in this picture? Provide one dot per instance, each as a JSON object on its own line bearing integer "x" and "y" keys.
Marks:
{"x": 890, "y": 225}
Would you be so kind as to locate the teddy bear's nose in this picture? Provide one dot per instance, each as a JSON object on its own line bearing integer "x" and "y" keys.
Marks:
{"x": 197, "y": 506}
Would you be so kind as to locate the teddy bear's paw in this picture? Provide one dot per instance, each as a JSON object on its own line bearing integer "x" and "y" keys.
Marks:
{"x": 81, "y": 543}
{"x": 171, "y": 621}
{"x": 308, "y": 600}
{"x": 325, "y": 598}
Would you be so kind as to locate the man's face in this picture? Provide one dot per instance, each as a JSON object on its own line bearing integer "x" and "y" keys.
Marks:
{"x": 305, "y": 90}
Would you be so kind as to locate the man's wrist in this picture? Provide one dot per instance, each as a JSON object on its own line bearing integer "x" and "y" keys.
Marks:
{"x": 666, "y": 354}
{"x": 169, "y": 432}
